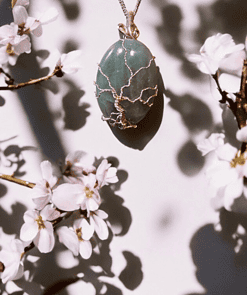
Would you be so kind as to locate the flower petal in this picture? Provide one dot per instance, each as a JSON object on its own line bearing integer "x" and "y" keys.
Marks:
{"x": 66, "y": 195}
{"x": 85, "y": 249}
{"x": 69, "y": 239}
{"x": 242, "y": 134}
{"x": 20, "y": 14}
{"x": 211, "y": 143}
{"x": 45, "y": 240}
{"x": 29, "y": 231}
{"x": 46, "y": 169}
{"x": 48, "y": 16}
{"x": 232, "y": 191}
{"x": 100, "y": 227}
{"x": 86, "y": 228}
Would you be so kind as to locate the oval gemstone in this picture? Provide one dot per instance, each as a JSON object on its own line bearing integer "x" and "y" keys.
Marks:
{"x": 126, "y": 83}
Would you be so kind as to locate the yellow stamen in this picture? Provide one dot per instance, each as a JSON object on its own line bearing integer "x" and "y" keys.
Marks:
{"x": 238, "y": 160}
{"x": 40, "y": 222}
{"x": 79, "y": 234}
{"x": 89, "y": 193}
{"x": 10, "y": 49}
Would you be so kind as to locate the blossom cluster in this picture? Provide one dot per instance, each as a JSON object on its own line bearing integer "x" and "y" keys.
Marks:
{"x": 15, "y": 37}
{"x": 228, "y": 173}
{"x": 76, "y": 191}
{"x": 219, "y": 52}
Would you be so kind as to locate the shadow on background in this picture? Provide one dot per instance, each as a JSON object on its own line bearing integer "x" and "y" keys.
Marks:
{"x": 197, "y": 117}
{"x": 33, "y": 98}
{"x": 55, "y": 278}
{"x": 220, "y": 269}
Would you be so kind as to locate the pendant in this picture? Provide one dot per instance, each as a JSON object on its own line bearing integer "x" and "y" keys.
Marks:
{"x": 126, "y": 82}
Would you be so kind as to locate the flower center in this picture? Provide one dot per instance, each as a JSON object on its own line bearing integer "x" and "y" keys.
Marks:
{"x": 89, "y": 193}
{"x": 10, "y": 49}
{"x": 79, "y": 234}
{"x": 238, "y": 160}
{"x": 40, "y": 222}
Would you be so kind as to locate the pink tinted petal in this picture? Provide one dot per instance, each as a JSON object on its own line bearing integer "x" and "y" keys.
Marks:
{"x": 40, "y": 202}
{"x": 49, "y": 213}
{"x": 20, "y": 14}
{"x": 45, "y": 240}
{"x": 232, "y": 191}
{"x": 211, "y": 143}
{"x": 102, "y": 214}
{"x": 111, "y": 176}
{"x": 29, "y": 231}
{"x": 242, "y": 134}
{"x": 100, "y": 227}
{"x": 32, "y": 23}
{"x": 22, "y": 2}
{"x": 12, "y": 59}
{"x": 71, "y": 62}
{"x": 69, "y": 239}
{"x": 86, "y": 229}
{"x": 13, "y": 272}
{"x": 217, "y": 202}
{"x": 46, "y": 169}
{"x": 23, "y": 46}
{"x": 41, "y": 189}
{"x": 66, "y": 195}
{"x": 17, "y": 246}
{"x": 48, "y": 16}
{"x": 226, "y": 152}
{"x": 3, "y": 55}
{"x": 19, "y": 273}
{"x": 30, "y": 216}
{"x": 92, "y": 205}
{"x": 85, "y": 249}
{"x": 7, "y": 31}
{"x": 38, "y": 31}
{"x": 221, "y": 174}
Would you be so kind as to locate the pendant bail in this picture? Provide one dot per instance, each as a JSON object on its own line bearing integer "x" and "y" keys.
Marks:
{"x": 130, "y": 31}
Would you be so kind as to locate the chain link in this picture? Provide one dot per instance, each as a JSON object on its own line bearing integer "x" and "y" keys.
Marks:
{"x": 125, "y": 11}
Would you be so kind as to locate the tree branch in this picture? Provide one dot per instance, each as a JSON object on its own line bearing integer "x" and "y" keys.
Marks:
{"x": 57, "y": 72}
{"x": 17, "y": 180}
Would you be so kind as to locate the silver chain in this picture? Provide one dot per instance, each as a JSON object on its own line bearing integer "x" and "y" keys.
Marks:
{"x": 125, "y": 11}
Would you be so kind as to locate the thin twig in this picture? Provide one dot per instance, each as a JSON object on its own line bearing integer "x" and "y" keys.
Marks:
{"x": 57, "y": 72}
{"x": 223, "y": 93}
{"x": 17, "y": 180}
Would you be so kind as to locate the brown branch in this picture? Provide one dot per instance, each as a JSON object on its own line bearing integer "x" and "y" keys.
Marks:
{"x": 57, "y": 72}
{"x": 223, "y": 93}
{"x": 238, "y": 107}
{"x": 17, "y": 180}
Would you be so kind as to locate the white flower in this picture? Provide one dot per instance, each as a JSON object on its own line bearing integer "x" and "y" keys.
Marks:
{"x": 42, "y": 192}
{"x": 77, "y": 164}
{"x": 242, "y": 134}
{"x": 106, "y": 174}
{"x": 37, "y": 229}
{"x": 28, "y": 24}
{"x": 214, "y": 141}
{"x": 11, "y": 257}
{"x": 12, "y": 44}
{"x": 227, "y": 176}
{"x": 214, "y": 51}
{"x": 22, "y": 2}
{"x": 70, "y": 63}
{"x": 77, "y": 239}
{"x": 100, "y": 226}
{"x": 84, "y": 195}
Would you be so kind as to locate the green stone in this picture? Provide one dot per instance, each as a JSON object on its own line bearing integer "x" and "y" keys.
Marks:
{"x": 126, "y": 83}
